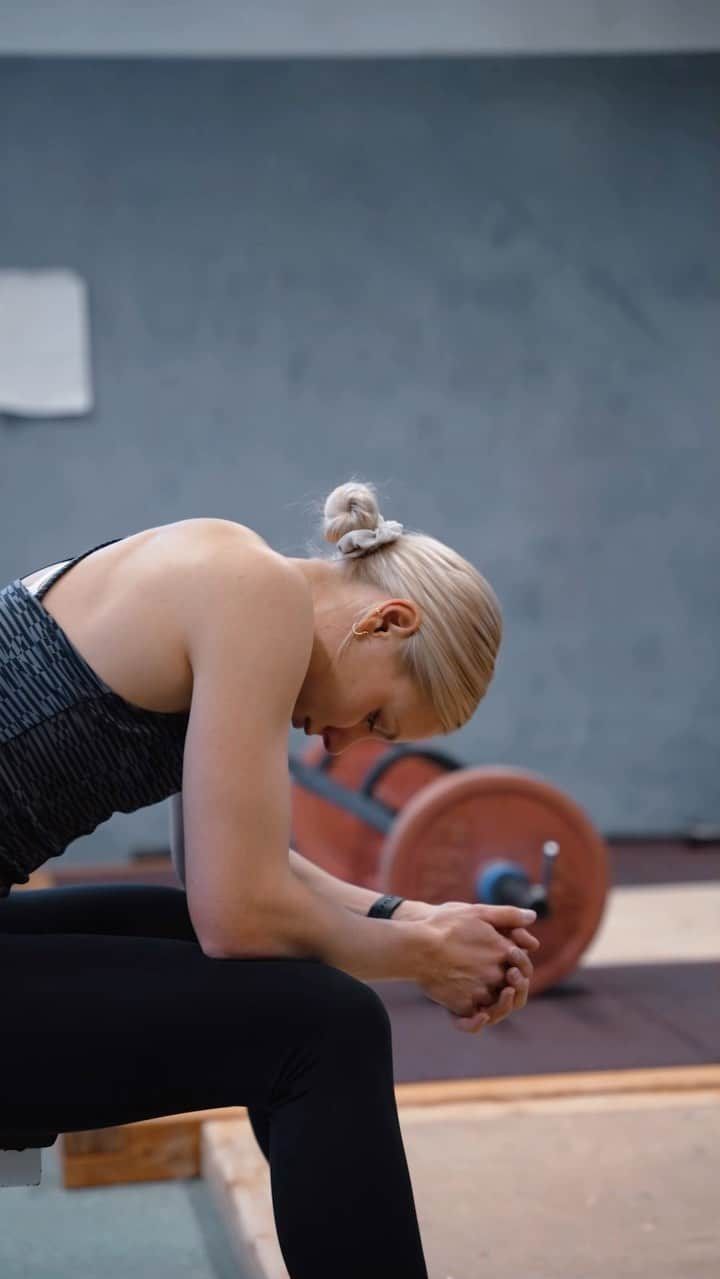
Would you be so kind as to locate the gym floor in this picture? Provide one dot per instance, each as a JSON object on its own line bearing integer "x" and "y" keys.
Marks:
{"x": 644, "y": 996}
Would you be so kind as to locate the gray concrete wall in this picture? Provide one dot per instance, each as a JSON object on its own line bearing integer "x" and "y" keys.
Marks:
{"x": 227, "y": 28}
{"x": 490, "y": 286}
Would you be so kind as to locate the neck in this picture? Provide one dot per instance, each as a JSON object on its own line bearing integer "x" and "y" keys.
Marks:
{"x": 329, "y": 593}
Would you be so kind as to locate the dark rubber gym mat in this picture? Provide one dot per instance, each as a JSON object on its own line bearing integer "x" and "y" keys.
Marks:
{"x": 618, "y": 1018}
{"x": 664, "y": 863}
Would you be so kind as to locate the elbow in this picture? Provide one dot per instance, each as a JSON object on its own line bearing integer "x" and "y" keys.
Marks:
{"x": 219, "y": 934}
{"x": 242, "y": 948}
{"x": 254, "y": 929}
{"x": 212, "y": 939}
{"x": 261, "y": 944}
{"x": 237, "y": 948}
{"x": 211, "y": 950}
{"x": 234, "y": 942}
{"x": 210, "y": 953}
{"x": 216, "y": 946}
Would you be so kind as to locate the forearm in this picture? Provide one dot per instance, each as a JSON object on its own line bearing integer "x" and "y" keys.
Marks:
{"x": 322, "y": 919}
{"x": 292, "y": 920}
{"x": 351, "y": 896}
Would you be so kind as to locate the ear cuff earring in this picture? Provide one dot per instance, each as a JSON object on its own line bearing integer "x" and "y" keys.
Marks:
{"x": 361, "y": 634}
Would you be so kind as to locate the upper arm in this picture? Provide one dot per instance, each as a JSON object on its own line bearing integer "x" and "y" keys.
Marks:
{"x": 249, "y": 644}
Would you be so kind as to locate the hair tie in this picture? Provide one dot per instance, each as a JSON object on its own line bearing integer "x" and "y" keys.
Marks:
{"x": 363, "y": 541}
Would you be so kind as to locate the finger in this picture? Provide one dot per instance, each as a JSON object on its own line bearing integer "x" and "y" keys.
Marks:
{"x": 485, "y": 998}
{"x": 471, "y": 1025}
{"x": 492, "y": 1008}
{"x": 524, "y": 963}
{"x": 521, "y": 986}
{"x": 494, "y": 979}
{"x": 522, "y": 937}
{"x": 516, "y": 957}
{"x": 502, "y": 1007}
{"x": 522, "y": 994}
{"x": 508, "y": 916}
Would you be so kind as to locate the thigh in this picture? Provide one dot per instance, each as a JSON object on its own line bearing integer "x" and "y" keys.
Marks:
{"x": 122, "y": 910}
{"x": 100, "y": 1030}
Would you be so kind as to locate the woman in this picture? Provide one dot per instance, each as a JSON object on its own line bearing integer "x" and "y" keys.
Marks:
{"x": 175, "y": 660}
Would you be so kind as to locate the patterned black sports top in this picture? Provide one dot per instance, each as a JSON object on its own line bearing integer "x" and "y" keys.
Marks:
{"x": 72, "y": 752}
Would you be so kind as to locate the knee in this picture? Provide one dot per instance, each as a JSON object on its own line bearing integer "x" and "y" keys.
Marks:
{"x": 337, "y": 1030}
{"x": 353, "y": 1011}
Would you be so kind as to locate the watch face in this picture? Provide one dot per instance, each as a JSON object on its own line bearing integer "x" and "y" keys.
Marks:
{"x": 384, "y": 906}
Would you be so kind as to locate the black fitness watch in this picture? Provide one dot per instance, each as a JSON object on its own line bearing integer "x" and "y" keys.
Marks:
{"x": 384, "y": 906}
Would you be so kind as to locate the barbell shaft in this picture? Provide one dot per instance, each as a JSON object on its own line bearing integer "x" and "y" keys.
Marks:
{"x": 372, "y": 811}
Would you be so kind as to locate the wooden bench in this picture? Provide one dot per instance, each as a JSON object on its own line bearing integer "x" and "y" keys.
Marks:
{"x": 20, "y": 1160}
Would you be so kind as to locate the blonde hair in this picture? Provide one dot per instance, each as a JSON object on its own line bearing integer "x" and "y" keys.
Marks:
{"x": 451, "y": 657}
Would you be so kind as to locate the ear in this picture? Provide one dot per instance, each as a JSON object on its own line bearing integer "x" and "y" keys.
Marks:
{"x": 394, "y": 617}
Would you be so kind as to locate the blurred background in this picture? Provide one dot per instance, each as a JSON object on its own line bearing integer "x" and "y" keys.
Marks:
{"x": 489, "y": 284}
{"x": 470, "y": 253}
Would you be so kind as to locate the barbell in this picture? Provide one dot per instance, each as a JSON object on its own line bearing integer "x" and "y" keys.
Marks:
{"x": 412, "y": 820}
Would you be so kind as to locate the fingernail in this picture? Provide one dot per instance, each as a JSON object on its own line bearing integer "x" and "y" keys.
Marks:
{"x": 529, "y": 916}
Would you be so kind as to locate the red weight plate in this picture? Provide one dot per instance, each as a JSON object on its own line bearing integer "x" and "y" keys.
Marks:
{"x": 332, "y": 837}
{"x": 329, "y": 835}
{"x": 444, "y": 837}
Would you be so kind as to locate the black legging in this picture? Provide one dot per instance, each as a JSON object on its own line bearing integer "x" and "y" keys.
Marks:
{"x": 112, "y": 1013}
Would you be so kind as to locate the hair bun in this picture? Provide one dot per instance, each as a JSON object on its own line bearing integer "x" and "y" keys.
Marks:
{"x": 350, "y": 507}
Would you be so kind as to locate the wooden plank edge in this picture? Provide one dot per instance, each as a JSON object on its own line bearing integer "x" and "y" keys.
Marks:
{"x": 164, "y": 1148}
{"x": 168, "y": 1146}
{"x": 579, "y": 1083}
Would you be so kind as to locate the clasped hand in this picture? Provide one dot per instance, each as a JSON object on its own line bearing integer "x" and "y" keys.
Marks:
{"x": 514, "y": 994}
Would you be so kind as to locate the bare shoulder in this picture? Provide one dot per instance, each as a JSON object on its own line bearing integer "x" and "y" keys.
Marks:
{"x": 243, "y": 600}
{"x": 136, "y": 608}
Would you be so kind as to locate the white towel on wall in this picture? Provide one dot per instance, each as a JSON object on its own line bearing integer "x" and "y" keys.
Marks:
{"x": 44, "y": 344}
